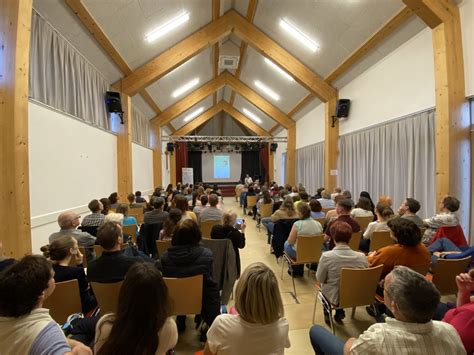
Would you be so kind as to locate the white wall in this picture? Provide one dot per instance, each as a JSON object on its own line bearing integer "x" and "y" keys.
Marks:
{"x": 466, "y": 9}
{"x": 142, "y": 169}
{"x": 70, "y": 164}
{"x": 310, "y": 128}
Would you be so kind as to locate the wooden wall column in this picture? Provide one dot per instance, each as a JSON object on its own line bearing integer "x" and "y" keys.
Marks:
{"x": 331, "y": 149}
{"x": 15, "y": 28}
{"x": 155, "y": 131}
{"x": 124, "y": 151}
{"x": 172, "y": 156}
{"x": 271, "y": 164}
{"x": 291, "y": 156}
{"x": 452, "y": 116}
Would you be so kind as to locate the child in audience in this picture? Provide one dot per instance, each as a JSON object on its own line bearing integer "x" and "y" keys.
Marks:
{"x": 142, "y": 322}
{"x": 259, "y": 327}
{"x": 446, "y": 217}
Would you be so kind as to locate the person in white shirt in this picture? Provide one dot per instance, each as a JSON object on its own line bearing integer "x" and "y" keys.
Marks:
{"x": 384, "y": 213}
{"x": 413, "y": 301}
{"x": 363, "y": 208}
{"x": 446, "y": 217}
{"x": 259, "y": 327}
{"x": 325, "y": 200}
{"x": 248, "y": 180}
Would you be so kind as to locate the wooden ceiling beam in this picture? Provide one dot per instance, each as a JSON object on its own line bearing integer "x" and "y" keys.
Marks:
{"x": 254, "y": 37}
{"x": 301, "y": 104}
{"x": 382, "y": 33}
{"x": 193, "y": 98}
{"x": 177, "y": 55}
{"x": 216, "y": 10}
{"x": 251, "y": 9}
{"x": 99, "y": 35}
{"x": 244, "y": 120}
{"x": 273, "y": 129}
{"x": 432, "y": 12}
{"x": 259, "y": 101}
{"x": 200, "y": 120}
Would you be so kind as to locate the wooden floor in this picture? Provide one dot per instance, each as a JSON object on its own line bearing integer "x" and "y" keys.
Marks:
{"x": 299, "y": 315}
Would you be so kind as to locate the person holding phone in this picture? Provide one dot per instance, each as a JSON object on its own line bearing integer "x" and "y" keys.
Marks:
{"x": 230, "y": 229}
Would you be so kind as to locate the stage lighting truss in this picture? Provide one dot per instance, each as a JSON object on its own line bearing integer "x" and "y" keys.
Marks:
{"x": 224, "y": 139}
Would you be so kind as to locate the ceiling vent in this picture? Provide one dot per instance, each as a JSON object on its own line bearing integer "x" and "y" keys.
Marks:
{"x": 228, "y": 62}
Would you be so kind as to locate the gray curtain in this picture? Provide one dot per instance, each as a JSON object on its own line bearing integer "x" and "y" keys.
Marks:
{"x": 140, "y": 128}
{"x": 395, "y": 159}
{"x": 310, "y": 167}
{"x": 62, "y": 78}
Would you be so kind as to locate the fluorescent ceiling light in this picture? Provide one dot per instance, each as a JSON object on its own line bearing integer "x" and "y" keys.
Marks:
{"x": 167, "y": 27}
{"x": 300, "y": 36}
{"x": 267, "y": 90}
{"x": 278, "y": 69}
{"x": 193, "y": 114}
{"x": 252, "y": 115}
{"x": 186, "y": 87}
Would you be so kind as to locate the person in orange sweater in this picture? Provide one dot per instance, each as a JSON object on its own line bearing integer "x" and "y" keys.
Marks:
{"x": 407, "y": 250}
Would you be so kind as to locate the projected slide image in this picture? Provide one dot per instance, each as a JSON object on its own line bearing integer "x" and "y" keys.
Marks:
{"x": 221, "y": 167}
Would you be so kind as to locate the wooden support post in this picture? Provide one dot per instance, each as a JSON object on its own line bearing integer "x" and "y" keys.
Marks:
{"x": 172, "y": 168}
{"x": 15, "y": 28}
{"x": 331, "y": 149}
{"x": 156, "y": 145}
{"x": 124, "y": 151}
{"x": 271, "y": 164}
{"x": 291, "y": 156}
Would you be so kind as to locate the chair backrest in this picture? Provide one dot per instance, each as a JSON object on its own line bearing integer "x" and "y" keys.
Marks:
{"x": 322, "y": 221}
{"x": 308, "y": 248}
{"x": 206, "y": 227}
{"x": 355, "y": 241}
{"x": 162, "y": 246}
{"x": 107, "y": 295}
{"x": 64, "y": 301}
{"x": 380, "y": 239}
{"x": 251, "y": 201}
{"x": 266, "y": 210}
{"x": 357, "y": 286}
{"x": 185, "y": 294}
{"x": 98, "y": 250}
{"x": 84, "y": 260}
{"x": 421, "y": 269}
{"x": 136, "y": 212}
{"x": 445, "y": 272}
{"x": 131, "y": 230}
{"x": 364, "y": 221}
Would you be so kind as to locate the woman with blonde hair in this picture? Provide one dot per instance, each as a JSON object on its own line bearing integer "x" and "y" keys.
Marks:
{"x": 259, "y": 327}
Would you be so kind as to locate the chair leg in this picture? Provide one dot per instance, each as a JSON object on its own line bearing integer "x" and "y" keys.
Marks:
{"x": 353, "y": 312}
{"x": 315, "y": 304}
{"x": 294, "y": 286}
{"x": 282, "y": 268}
{"x": 331, "y": 321}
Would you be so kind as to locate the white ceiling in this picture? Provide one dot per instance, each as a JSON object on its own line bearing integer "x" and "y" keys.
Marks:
{"x": 339, "y": 27}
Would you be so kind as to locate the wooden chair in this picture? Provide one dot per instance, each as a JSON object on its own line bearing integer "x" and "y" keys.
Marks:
{"x": 238, "y": 191}
{"x": 64, "y": 301}
{"x": 380, "y": 239}
{"x": 107, "y": 296}
{"x": 445, "y": 272}
{"x": 266, "y": 210}
{"x": 185, "y": 294}
{"x": 308, "y": 251}
{"x": 421, "y": 269}
{"x": 322, "y": 221}
{"x": 162, "y": 246}
{"x": 364, "y": 222}
{"x": 84, "y": 260}
{"x": 132, "y": 231}
{"x": 137, "y": 213}
{"x": 206, "y": 227}
{"x": 251, "y": 201}
{"x": 356, "y": 288}
{"x": 355, "y": 241}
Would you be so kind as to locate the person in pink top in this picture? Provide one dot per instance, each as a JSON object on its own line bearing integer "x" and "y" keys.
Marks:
{"x": 462, "y": 317}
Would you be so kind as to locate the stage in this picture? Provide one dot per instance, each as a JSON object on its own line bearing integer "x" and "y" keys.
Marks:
{"x": 227, "y": 188}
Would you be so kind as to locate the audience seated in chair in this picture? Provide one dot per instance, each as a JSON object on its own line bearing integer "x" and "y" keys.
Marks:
{"x": 365, "y": 194}
{"x": 132, "y": 203}
{"x": 67, "y": 261}
{"x": 286, "y": 211}
{"x": 446, "y": 217}
{"x": 157, "y": 215}
{"x": 316, "y": 209}
{"x": 139, "y": 198}
{"x": 170, "y": 225}
{"x": 142, "y": 323}
{"x": 332, "y": 214}
{"x": 445, "y": 249}
{"x": 4, "y": 261}
{"x": 25, "y": 326}
{"x": 211, "y": 213}
{"x": 408, "y": 250}
{"x": 228, "y": 230}
{"x": 413, "y": 301}
{"x": 114, "y": 200}
{"x": 186, "y": 258}
{"x": 331, "y": 263}
{"x": 201, "y": 206}
{"x": 259, "y": 326}
{"x": 105, "y": 205}
{"x": 127, "y": 220}
{"x": 408, "y": 210}
{"x": 96, "y": 218}
{"x": 68, "y": 222}
{"x": 325, "y": 200}
{"x": 343, "y": 209}
{"x": 363, "y": 208}
{"x": 181, "y": 203}
{"x": 383, "y": 213}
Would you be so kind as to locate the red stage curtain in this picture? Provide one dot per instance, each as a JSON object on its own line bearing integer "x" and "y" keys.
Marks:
{"x": 264, "y": 162}
{"x": 181, "y": 160}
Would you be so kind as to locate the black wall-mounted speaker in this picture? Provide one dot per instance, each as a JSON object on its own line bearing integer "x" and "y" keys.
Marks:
{"x": 342, "y": 108}
{"x": 113, "y": 102}
{"x": 170, "y": 147}
{"x": 273, "y": 147}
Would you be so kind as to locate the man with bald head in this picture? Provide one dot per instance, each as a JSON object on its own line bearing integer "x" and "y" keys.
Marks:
{"x": 68, "y": 222}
